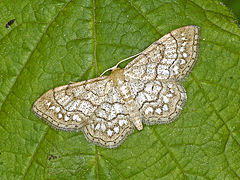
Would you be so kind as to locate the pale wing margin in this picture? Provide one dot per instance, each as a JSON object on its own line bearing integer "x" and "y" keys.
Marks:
{"x": 93, "y": 106}
{"x": 110, "y": 123}
{"x": 69, "y": 107}
{"x": 168, "y": 104}
{"x": 171, "y": 57}
{"x": 158, "y": 101}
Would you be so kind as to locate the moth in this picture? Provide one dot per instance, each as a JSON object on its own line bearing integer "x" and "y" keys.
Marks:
{"x": 148, "y": 90}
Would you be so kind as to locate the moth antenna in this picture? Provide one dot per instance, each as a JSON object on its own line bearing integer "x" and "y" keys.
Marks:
{"x": 114, "y": 67}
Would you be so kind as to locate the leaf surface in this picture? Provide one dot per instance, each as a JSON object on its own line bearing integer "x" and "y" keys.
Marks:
{"x": 55, "y": 42}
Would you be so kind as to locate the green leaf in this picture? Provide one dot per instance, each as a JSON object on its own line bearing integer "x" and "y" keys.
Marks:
{"x": 54, "y": 42}
{"x": 234, "y": 5}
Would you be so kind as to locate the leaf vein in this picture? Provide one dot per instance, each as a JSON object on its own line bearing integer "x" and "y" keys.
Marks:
{"x": 213, "y": 107}
{"x": 35, "y": 152}
{"x": 112, "y": 166}
{"x": 142, "y": 14}
{"x": 169, "y": 152}
{"x": 95, "y": 37}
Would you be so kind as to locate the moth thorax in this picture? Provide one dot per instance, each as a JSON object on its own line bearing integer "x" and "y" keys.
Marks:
{"x": 117, "y": 76}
